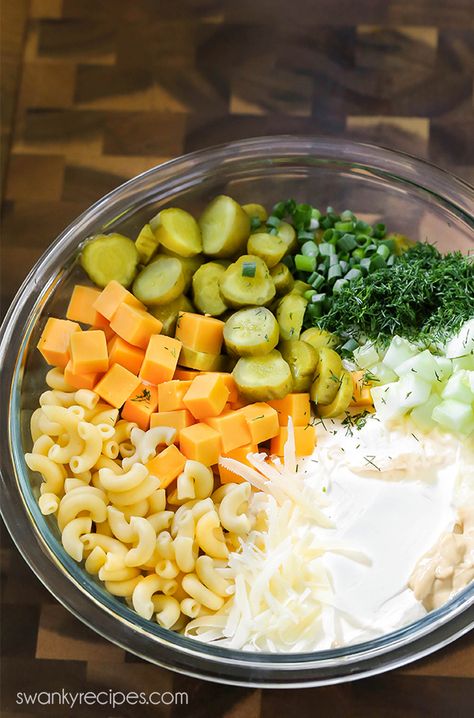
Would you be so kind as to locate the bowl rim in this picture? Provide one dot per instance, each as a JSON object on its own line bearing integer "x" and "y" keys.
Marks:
{"x": 298, "y": 669}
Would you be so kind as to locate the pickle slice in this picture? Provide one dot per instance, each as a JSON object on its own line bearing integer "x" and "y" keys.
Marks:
{"x": 342, "y": 399}
{"x": 267, "y": 246}
{"x": 263, "y": 378}
{"x": 247, "y": 281}
{"x": 206, "y": 289}
{"x": 302, "y": 359}
{"x": 256, "y": 210}
{"x": 225, "y": 227}
{"x": 160, "y": 282}
{"x": 287, "y": 233}
{"x": 300, "y": 287}
{"x": 319, "y": 338}
{"x": 327, "y": 378}
{"x": 178, "y": 231}
{"x": 201, "y": 361}
{"x": 282, "y": 278}
{"x": 290, "y": 315}
{"x": 190, "y": 266}
{"x": 168, "y": 313}
{"x": 251, "y": 332}
{"x": 110, "y": 256}
{"x": 146, "y": 244}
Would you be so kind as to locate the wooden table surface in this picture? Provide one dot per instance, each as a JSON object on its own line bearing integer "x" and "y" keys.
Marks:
{"x": 95, "y": 91}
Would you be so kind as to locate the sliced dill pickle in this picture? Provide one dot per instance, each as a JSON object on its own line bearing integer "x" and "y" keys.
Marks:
{"x": 200, "y": 360}
{"x": 206, "y": 289}
{"x": 160, "y": 282}
{"x": 267, "y": 246}
{"x": 282, "y": 278}
{"x": 168, "y": 313}
{"x": 225, "y": 227}
{"x": 247, "y": 281}
{"x": 251, "y": 332}
{"x": 342, "y": 399}
{"x": 290, "y": 315}
{"x": 263, "y": 378}
{"x": 110, "y": 256}
{"x": 146, "y": 244}
{"x": 300, "y": 287}
{"x": 190, "y": 266}
{"x": 302, "y": 359}
{"x": 319, "y": 338}
{"x": 178, "y": 231}
{"x": 287, "y": 233}
{"x": 327, "y": 377}
{"x": 256, "y": 210}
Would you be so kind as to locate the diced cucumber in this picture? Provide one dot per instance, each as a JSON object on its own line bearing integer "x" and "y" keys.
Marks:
{"x": 423, "y": 365}
{"x": 454, "y": 416}
{"x": 463, "y": 343}
{"x": 160, "y": 282}
{"x": 366, "y": 355}
{"x": 385, "y": 400}
{"x": 110, "y": 256}
{"x": 444, "y": 368}
{"x": 412, "y": 391}
{"x": 384, "y": 374}
{"x": 399, "y": 351}
{"x": 458, "y": 387}
{"x": 466, "y": 362}
{"x": 251, "y": 332}
{"x": 422, "y": 415}
{"x": 178, "y": 231}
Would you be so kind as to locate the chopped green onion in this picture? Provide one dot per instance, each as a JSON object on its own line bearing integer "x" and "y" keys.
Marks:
{"x": 370, "y": 250}
{"x": 343, "y": 226}
{"x": 391, "y": 260}
{"x": 305, "y": 263}
{"x": 347, "y": 243}
{"x": 333, "y": 259}
{"x": 334, "y": 273}
{"x": 315, "y": 213}
{"x": 310, "y": 249}
{"x": 379, "y": 230}
{"x": 338, "y": 285}
{"x": 273, "y": 231}
{"x": 365, "y": 265}
{"x": 304, "y": 236}
{"x": 249, "y": 269}
{"x": 255, "y": 223}
{"x": 314, "y": 312}
{"x": 280, "y": 209}
{"x": 309, "y": 294}
{"x": 326, "y": 249}
{"x": 328, "y": 235}
{"x": 289, "y": 262}
{"x": 318, "y": 282}
{"x": 353, "y": 274}
{"x": 358, "y": 253}
{"x": 302, "y": 216}
{"x": 361, "y": 226}
{"x": 349, "y": 346}
{"x": 318, "y": 298}
{"x": 273, "y": 221}
{"x": 323, "y": 267}
{"x": 384, "y": 251}
{"x": 376, "y": 262}
{"x": 347, "y": 215}
{"x": 344, "y": 266}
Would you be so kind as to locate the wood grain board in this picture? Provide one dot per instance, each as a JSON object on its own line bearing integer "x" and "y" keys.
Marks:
{"x": 96, "y": 91}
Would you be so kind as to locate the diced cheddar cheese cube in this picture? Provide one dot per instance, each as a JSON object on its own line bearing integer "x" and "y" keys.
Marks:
{"x": 262, "y": 421}
{"x": 233, "y": 428}
{"x": 171, "y": 393}
{"x": 361, "y": 395}
{"x": 178, "y": 420}
{"x": 89, "y": 352}
{"x": 241, "y": 402}
{"x": 55, "y": 339}
{"x": 185, "y": 374}
{"x": 167, "y": 466}
{"x": 229, "y": 381}
{"x": 117, "y": 385}
{"x": 239, "y": 454}
{"x": 200, "y": 442}
{"x": 295, "y": 405}
{"x": 199, "y": 332}
{"x": 305, "y": 440}
{"x": 80, "y": 381}
{"x": 161, "y": 358}
{"x": 206, "y": 396}
{"x": 125, "y": 354}
{"x": 140, "y": 405}
{"x": 111, "y": 297}
{"x": 135, "y": 325}
{"x": 81, "y": 306}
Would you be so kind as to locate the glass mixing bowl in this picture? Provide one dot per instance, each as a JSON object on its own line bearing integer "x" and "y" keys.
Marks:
{"x": 410, "y": 196}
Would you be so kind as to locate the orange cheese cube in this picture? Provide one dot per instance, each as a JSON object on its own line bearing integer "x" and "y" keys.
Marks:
{"x": 54, "y": 340}
{"x": 125, "y": 354}
{"x": 167, "y": 466}
{"x": 229, "y": 381}
{"x": 111, "y": 297}
{"x": 262, "y": 421}
{"x": 201, "y": 333}
{"x": 140, "y": 405}
{"x": 361, "y": 395}
{"x": 232, "y": 426}
{"x": 161, "y": 358}
{"x": 80, "y": 381}
{"x": 178, "y": 420}
{"x": 185, "y": 374}
{"x": 241, "y": 402}
{"x": 170, "y": 395}
{"x": 200, "y": 442}
{"x": 240, "y": 454}
{"x": 117, "y": 385}
{"x": 89, "y": 352}
{"x": 81, "y": 309}
{"x": 305, "y": 440}
{"x": 135, "y": 325}
{"x": 206, "y": 396}
{"x": 295, "y": 405}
